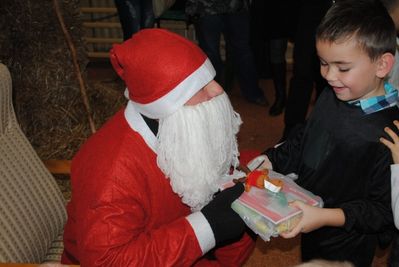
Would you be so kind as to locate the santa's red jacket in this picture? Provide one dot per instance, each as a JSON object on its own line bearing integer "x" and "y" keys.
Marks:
{"x": 123, "y": 211}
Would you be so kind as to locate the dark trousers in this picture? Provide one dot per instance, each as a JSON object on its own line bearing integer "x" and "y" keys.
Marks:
{"x": 357, "y": 249}
{"x": 235, "y": 29}
{"x": 134, "y": 15}
{"x": 306, "y": 66}
{"x": 394, "y": 256}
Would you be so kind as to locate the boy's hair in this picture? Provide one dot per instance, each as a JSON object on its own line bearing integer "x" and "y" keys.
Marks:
{"x": 367, "y": 21}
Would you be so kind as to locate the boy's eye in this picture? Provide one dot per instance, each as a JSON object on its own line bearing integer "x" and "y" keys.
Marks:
{"x": 323, "y": 63}
{"x": 343, "y": 69}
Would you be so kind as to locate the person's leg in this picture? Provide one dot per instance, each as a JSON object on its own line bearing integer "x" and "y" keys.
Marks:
{"x": 258, "y": 39}
{"x": 228, "y": 76}
{"x": 209, "y": 30}
{"x": 356, "y": 249}
{"x": 237, "y": 36}
{"x": 129, "y": 16}
{"x": 304, "y": 71}
{"x": 278, "y": 47}
{"x": 147, "y": 14}
{"x": 393, "y": 260}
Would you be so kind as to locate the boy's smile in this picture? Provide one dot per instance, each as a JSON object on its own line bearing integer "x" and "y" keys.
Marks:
{"x": 349, "y": 70}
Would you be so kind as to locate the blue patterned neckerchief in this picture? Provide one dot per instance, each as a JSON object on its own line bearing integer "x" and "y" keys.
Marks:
{"x": 377, "y": 103}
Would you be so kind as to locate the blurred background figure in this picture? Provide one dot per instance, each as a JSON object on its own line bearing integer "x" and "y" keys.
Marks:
{"x": 306, "y": 67}
{"x": 212, "y": 18}
{"x": 393, "y": 8}
{"x": 273, "y": 23}
{"x": 134, "y": 15}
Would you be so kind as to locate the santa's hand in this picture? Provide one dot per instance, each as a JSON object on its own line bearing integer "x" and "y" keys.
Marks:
{"x": 311, "y": 220}
{"x": 226, "y": 224}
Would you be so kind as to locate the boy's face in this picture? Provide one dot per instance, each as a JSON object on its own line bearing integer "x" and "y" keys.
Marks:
{"x": 349, "y": 70}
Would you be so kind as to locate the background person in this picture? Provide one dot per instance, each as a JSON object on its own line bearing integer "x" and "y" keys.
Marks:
{"x": 134, "y": 15}
{"x": 212, "y": 18}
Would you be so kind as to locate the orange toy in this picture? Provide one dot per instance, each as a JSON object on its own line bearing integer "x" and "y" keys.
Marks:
{"x": 258, "y": 177}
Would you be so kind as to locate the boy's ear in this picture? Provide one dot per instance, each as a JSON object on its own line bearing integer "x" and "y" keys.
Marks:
{"x": 385, "y": 64}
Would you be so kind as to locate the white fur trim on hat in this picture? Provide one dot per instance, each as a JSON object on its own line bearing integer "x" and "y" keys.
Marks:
{"x": 177, "y": 97}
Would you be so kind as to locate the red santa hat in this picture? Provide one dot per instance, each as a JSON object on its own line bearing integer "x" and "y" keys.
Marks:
{"x": 161, "y": 69}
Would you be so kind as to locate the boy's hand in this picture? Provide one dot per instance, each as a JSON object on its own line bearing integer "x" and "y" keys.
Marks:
{"x": 311, "y": 219}
{"x": 266, "y": 165}
{"x": 314, "y": 217}
{"x": 261, "y": 162}
{"x": 393, "y": 146}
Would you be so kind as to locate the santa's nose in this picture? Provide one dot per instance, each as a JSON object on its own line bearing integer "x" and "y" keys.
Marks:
{"x": 209, "y": 91}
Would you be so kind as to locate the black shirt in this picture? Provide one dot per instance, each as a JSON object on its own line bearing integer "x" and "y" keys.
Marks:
{"x": 337, "y": 155}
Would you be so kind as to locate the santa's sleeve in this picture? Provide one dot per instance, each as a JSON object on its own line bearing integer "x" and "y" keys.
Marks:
{"x": 107, "y": 237}
{"x": 113, "y": 234}
{"x": 234, "y": 254}
{"x": 114, "y": 225}
{"x": 202, "y": 230}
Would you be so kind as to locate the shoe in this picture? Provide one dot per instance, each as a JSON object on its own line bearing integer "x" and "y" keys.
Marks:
{"x": 279, "y": 81}
{"x": 260, "y": 101}
{"x": 277, "y": 107}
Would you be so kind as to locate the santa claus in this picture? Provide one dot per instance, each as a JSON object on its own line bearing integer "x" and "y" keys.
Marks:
{"x": 143, "y": 186}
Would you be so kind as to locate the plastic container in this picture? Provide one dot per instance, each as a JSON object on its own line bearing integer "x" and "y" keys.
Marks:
{"x": 268, "y": 214}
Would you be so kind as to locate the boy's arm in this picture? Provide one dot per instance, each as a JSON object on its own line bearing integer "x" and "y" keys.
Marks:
{"x": 373, "y": 213}
{"x": 395, "y": 192}
{"x": 314, "y": 217}
{"x": 285, "y": 157}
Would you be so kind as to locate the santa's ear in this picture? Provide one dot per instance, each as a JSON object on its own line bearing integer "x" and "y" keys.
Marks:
{"x": 385, "y": 64}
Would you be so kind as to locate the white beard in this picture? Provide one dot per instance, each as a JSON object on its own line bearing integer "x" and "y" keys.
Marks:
{"x": 197, "y": 146}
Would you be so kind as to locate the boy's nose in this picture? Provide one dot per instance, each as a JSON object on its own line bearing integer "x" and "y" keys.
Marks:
{"x": 330, "y": 75}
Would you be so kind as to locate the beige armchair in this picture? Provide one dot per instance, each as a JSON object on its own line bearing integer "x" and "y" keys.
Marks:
{"x": 32, "y": 208}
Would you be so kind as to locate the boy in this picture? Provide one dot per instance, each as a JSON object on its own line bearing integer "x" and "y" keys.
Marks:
{"x": 337, "y": 154}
